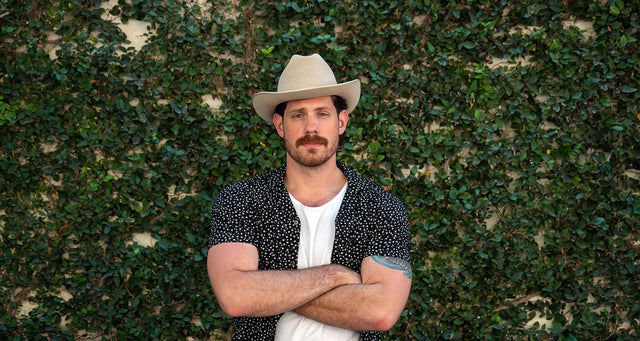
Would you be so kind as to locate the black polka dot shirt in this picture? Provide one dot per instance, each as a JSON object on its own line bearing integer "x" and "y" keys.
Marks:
{"x": 259, "y": 211}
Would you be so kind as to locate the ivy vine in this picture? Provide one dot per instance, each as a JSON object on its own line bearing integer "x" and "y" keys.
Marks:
{"x": 508, "y": 128}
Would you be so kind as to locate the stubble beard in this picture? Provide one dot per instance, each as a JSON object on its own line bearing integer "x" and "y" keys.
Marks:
{"x": 311, "y": 157}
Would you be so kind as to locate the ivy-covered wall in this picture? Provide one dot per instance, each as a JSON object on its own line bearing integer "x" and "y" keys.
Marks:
{"x": 510, "y": 129}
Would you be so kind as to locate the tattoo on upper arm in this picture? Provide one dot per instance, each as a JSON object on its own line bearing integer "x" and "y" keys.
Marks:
{"x": 394, "y": 263}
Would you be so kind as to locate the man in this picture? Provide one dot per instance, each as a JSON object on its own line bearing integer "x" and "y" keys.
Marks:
{"x": 309, "y": 251}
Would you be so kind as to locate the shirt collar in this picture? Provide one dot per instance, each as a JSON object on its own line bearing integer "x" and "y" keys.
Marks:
{"x": 277, "y": 183}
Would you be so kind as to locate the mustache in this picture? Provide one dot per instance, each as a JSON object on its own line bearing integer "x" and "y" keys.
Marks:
{"x": 311, "y": 139}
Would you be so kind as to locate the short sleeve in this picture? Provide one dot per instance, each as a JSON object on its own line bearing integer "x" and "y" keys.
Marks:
{"x": 230, "y": 216}
{"x": 391, "y": 234}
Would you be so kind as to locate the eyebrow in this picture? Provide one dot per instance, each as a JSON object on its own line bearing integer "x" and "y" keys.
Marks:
{"x": 304, "y": 110}
{"x": 298, "y": 110}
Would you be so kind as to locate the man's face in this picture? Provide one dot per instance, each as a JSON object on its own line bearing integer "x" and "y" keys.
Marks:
{"x": 311, "y": 130}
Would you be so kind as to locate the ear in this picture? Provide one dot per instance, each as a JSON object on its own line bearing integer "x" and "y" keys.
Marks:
{"x": 343, "y": 118}
{"x": 279, "y": 124}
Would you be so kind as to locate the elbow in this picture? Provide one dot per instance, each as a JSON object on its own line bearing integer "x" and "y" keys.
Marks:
{"x": 233, "y": 306}
{"x": 238, "y": 305}
{"x": 383, "y": 320}
{"x": 233, "y": 311}
{"x": 230, "y": 302}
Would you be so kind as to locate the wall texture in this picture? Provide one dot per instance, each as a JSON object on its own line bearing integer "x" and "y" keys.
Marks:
{"x": 510, "y": 130}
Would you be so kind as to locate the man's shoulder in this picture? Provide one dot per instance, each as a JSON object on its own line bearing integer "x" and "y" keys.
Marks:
{"x": 365, "y": 187}
{"x": 373, "y": 203}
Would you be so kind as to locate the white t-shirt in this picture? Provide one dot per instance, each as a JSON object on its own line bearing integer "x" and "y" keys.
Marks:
{"x": 316, "y": 245}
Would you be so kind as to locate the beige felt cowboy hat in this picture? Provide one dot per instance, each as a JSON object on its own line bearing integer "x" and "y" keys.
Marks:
{"x": 305, "y": 77}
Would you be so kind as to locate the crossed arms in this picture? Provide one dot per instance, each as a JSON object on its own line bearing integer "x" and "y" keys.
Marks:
{"x": 331, "y": 294}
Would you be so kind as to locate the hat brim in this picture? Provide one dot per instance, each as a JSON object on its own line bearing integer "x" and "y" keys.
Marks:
{"x": 265, "y": 102}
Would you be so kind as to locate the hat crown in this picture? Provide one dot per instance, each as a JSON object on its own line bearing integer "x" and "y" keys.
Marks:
{"x": 305, "y": 72}
{"x": 305, "y": 77}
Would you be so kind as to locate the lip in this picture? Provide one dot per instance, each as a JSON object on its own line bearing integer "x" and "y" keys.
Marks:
{"x": 313, "y": 145}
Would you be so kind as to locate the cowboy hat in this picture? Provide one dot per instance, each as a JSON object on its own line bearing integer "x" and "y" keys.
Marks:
{"x": 305, "y": 77}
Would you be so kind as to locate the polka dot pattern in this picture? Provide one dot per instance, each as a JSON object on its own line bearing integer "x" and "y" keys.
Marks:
{"x": 259, "y": 211}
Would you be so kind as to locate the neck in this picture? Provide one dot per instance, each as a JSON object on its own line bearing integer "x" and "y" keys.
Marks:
{"x": 314, "y": 186}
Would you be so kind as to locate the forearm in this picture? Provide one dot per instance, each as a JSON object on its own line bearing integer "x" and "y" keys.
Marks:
{"x": 258, "y": 293}
{"x": 375, "y": 304}
{"x": 354, "y": 307}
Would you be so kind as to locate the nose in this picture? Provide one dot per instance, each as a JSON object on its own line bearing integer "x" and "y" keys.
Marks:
{"x": 311, "y": 126}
